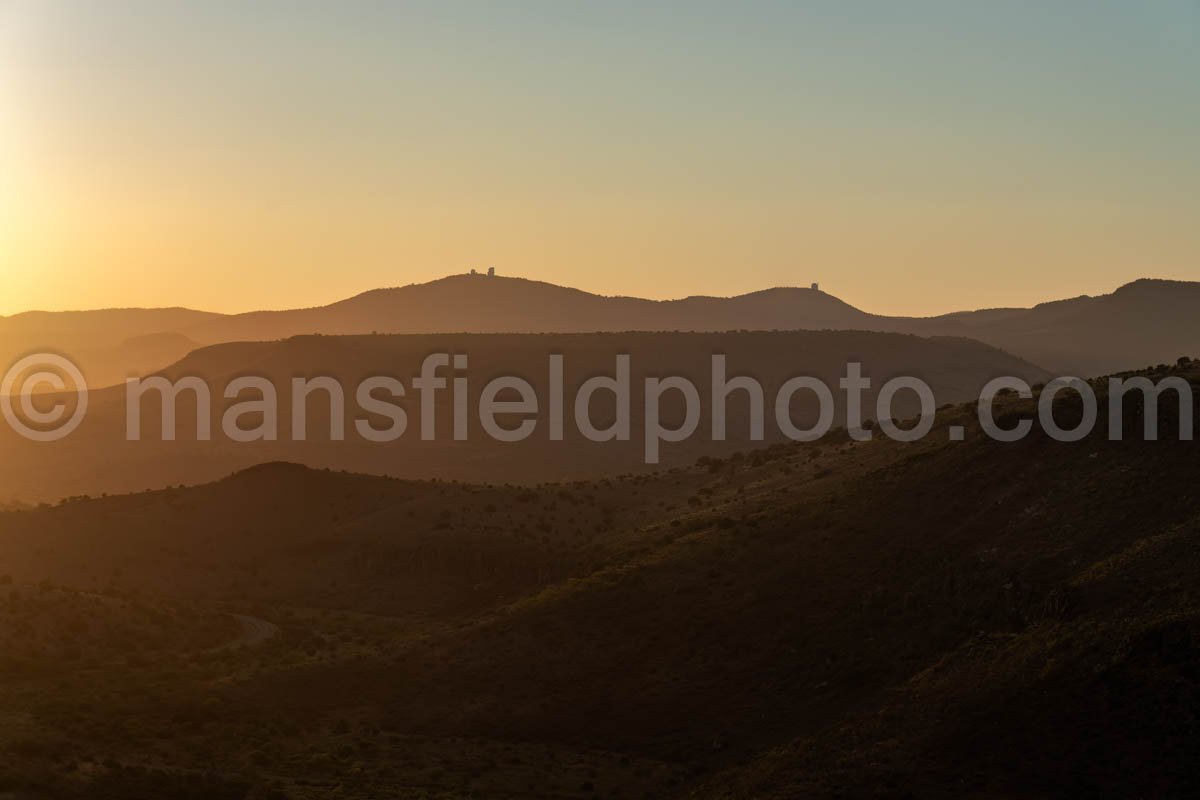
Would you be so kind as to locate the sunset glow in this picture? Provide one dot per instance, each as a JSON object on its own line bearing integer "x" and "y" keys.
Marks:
{"x": 231, "y": 156}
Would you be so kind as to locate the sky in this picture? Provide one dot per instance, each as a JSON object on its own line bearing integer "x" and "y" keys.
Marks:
{"x": 914, "y": 158}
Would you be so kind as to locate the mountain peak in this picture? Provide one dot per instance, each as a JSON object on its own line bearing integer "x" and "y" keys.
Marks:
{"x": 1155, "y": 285}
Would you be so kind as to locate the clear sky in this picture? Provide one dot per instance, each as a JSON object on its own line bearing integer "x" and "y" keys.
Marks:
{"x": 913, "y": 157}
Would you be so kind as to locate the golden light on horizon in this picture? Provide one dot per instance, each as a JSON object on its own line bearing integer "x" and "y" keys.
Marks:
{"x": 599, "y": 399}
{"x": 155, "y": 154}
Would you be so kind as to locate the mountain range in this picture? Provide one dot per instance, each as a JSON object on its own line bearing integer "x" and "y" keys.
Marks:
{"x": 1141, "y": 323}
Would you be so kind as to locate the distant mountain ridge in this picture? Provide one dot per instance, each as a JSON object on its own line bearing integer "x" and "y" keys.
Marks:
{"x": 482, "y": 304}
{"x": 1146, "y": 321}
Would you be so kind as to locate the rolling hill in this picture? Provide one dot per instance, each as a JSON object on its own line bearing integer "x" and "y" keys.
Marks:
{"x": 97, "y": 458}
{"x": 938, "y": 619}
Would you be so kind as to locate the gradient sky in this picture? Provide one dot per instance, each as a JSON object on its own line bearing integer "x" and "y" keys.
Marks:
{"x": 913, "y": 157}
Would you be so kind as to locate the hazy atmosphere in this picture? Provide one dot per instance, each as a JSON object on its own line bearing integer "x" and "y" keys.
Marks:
{"x": 590, "y": 400}
{"x": 915, "y": 158}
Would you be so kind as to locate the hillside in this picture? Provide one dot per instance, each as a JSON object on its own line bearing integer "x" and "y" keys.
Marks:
{"x": 825, "y": 620}
{"x": 97, "y": 458}
{"x": 1145, "y": 322}
{"x": 108, "y": 346}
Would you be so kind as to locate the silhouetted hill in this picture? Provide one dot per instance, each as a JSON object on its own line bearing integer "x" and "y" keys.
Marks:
{"x": 97, "y": 458}
{"x": 108, "y": 345}
{"x": 1142, "y": 323}
{"x": 940, "y": 619}
{"x": 1146, "y": 322}
{"x": 111, "y": 325}
{"x": 482, "y": 304}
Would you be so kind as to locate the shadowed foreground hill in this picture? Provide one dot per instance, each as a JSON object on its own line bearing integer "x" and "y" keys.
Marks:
{"x": 839, "y": 619}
